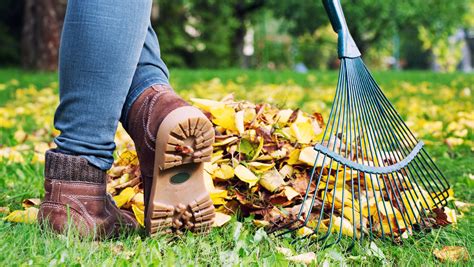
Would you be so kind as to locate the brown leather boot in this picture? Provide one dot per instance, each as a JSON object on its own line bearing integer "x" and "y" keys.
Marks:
{"x": 172, "y": 139}
{"x": 76, "y": 195}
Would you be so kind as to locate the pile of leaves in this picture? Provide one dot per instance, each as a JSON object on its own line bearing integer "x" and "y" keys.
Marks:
{"x": 261, "y": 166}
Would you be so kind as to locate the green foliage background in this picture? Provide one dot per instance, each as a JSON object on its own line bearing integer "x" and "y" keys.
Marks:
{"x": 208, "y": 33}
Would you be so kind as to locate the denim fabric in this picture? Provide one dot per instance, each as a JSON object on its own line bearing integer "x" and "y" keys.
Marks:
{"x": 109, "y": 55}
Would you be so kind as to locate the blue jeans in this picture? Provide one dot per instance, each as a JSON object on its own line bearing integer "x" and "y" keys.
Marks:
{"x": 109, "y": 54}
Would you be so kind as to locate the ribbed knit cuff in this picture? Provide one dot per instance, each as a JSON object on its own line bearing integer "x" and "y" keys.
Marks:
{"x": 71, "y": 168}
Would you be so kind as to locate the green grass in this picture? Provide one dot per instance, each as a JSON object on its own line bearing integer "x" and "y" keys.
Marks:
{"x": 442, "y": 97}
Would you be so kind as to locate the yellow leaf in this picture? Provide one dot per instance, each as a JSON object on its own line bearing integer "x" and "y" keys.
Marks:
{"x": 259, "y": 167}
{"x": 225, "y": 142}
{"x": 139, "y": 214}
{"x": 440, "y": 196}
{"x": 308, "y": 156}
{"x": 412, "y": 206}
{"x": 224, "y": 172}
{"x": 221, "y": 219}
{"x": 337, "y": 195}
{"x": 286, "y": 171}
{"x": 138, "y": 200}
{"x": 218, "y": 196}
{"x": 20, "y": 136}
{"x": 239, "y": 121}
{"x": 260, "y": 223}
{"x": 303, "y": 132}
{"x": 124, "y": 178}
{"x": 284, "y": 115}
{"x": 28, "y": 215}
{"x": 293, "y": 157}
{"x": 346, "y": 229}
{"x": 128, "y": 157}
{"x": 245, "y": 175}
{"x": 116, "y": 171}
{"x": 206, "y": 104}
{"x": 271, "y": 180}
{"x": 259, "y": 148}
{"x": 249, "y": 115}
{"x": 451, "y": 253}
{"x": 224, "y": 116}
{"x": 304, "y": 231}
{"x": 451, "y": 214}
{"x": 124, "y": 197}
{"x": 208, "y": 181}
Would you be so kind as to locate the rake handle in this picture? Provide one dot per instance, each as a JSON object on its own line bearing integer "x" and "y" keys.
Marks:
{"x": 346, "y": 47}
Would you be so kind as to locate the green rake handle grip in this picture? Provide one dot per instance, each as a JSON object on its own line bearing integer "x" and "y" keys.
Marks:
{"x": 346, "y": 46}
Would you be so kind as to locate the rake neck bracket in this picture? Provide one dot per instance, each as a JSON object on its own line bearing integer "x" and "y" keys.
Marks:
{"x": 370, "y": 169}
{"x": 347, "y": 48}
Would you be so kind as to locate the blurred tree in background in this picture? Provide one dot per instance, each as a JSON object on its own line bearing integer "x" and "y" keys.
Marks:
{"x": 42, "y": 24}
{"x": 262, "y": 33}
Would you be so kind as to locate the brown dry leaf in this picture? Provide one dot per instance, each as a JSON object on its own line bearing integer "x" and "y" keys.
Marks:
{"x": 451, "y": 253}
{"x": 31, "y": 202}
{"x": 221, "y": 219}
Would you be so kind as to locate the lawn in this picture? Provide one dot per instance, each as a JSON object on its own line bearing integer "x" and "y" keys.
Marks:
{"x": 439, "y": 108}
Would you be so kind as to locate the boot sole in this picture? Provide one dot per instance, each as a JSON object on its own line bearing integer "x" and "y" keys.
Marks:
{"x": 178, "y": 199}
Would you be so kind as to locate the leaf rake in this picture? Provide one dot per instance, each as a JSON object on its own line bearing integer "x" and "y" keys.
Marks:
{"x": 371, "y": 177}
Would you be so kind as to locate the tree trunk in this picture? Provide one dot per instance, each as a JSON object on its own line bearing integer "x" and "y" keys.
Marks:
{"x": 42, "y": 24}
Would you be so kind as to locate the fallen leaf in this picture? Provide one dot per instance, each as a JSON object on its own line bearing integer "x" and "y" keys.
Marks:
{"x": 124, "y": 197}
{"x": 4, "y": 210}
{"x": 451, "y": 253}
{"x": 218, "y": 196}
{"x": 285, "y": 251}
{"x": 221, "y": 219}
{"x": 306, "y": 258}
{"x": 272, "y": 180}
{"x": 290, "y": 193}
{"x": 246, "y": 175}
{"x": 28, "y": 215}
{"x": 224, "y": 116}
{"x": 30, "y": 202}
{"x": 139, "y": 214}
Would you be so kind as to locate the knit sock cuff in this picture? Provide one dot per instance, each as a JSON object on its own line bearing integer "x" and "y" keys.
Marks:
{"x": 71, "y": 168}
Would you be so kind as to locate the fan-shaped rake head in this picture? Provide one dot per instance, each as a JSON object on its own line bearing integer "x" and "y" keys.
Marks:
{"x": 371, "y": 176}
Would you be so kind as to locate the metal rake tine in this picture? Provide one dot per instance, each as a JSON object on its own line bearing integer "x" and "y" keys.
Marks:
{"x": 383, "y": 144}
{"x": 405, "y": 127}
{"x": 421, "y": 166}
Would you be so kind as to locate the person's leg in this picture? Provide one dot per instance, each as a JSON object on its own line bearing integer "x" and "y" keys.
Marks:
{"x": 151, "y": 70}
{"x": 100, "y": 48}
{"x": 172, "y": 140}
